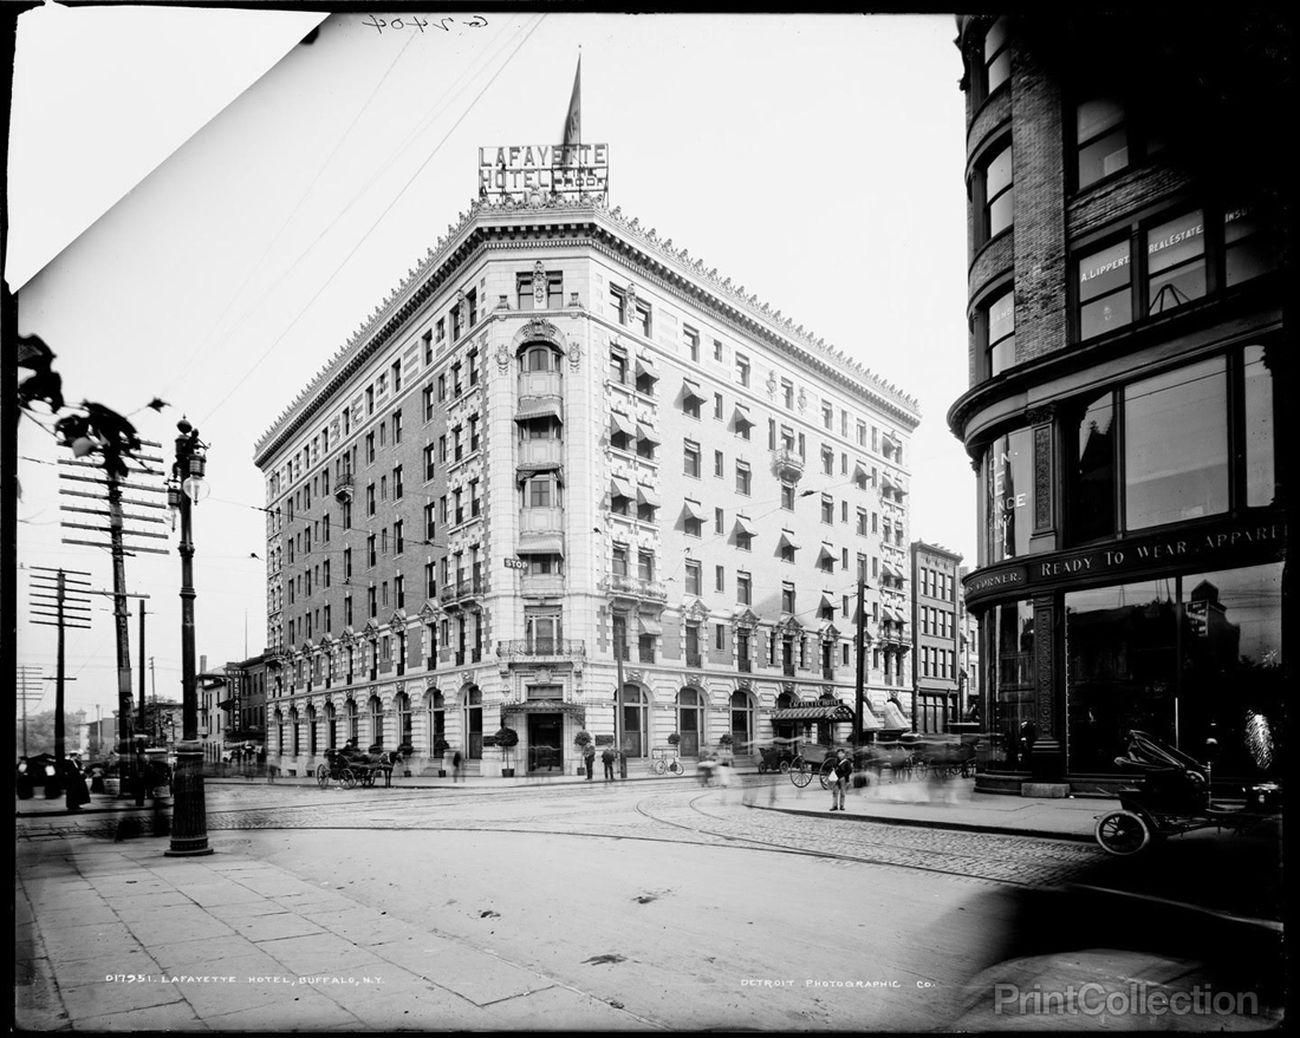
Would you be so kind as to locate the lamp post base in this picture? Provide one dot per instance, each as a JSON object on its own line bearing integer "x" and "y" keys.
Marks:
{"x": 189, "y": 811}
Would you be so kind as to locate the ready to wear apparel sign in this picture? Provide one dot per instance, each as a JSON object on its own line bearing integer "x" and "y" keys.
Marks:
{"x": 566, "y": 169}
{"x": 1208, "y": 546}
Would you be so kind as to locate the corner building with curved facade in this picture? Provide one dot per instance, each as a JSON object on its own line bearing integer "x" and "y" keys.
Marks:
{"x": 560, "y": 435}
{"x": 1128, "y": 354}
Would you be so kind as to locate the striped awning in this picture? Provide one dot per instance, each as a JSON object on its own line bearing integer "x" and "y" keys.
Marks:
{"x": 621, "y": 424}
{"x": 746, "y": 526}
{"x": 648, "y": 624}
{"x": 694, "y": 509}
{"x": 646, "y": 366}
{"x": 620, "y": 487}
{"x": 544, "y": 706}
{"x": 894, "y": 719}
{"x": 645, "y": 432}
{"x": 787, "y": 539}
{"x": 838, "y": 712}
{"x": 742, "y": 415}
{"x": 540, "y": 544}
{"x": 537, "y": 407}
{"x": 825, "y": 551}
{"x": 647, "y": 496}
{"x": 692, "y": 389}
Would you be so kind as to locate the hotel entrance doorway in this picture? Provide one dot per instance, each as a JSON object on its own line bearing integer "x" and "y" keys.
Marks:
{"x": 544, "y": 734}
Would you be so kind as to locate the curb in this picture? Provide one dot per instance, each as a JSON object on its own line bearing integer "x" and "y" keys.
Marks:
{"x": 928, "y": 823}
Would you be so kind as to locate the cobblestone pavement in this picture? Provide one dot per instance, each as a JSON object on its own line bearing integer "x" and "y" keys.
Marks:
{"x": 677, "y": 813}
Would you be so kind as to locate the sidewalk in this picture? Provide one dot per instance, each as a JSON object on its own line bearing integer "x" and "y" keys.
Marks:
{"x": 117, "y": 937}
{"x": 953, "y": 806}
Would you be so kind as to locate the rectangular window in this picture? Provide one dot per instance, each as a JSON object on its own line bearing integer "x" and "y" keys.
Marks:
{"x": 1176, "y": 445}
{"x": 998, "y": 321}
{"x": 742, "y": 369}
{"x": 1175, "y": 262}
{"x": 744, "y": 594}
{"x": 691, "y": 459}
{"x": 719, "y": 464}
{"x": 717, "y": 405}
{"x": 719, "y": 578}
{"x": 743, "y": 477}
{"x": 719, "y": 520}
{"x": 828, "y": 509}
{"x": 693, "y": 578}
{"x": 691, "y": 340}
{"x": 717, "y": 349}
{"x": 1102, "y": 139}
{"x": 787, "y": 597}
{"x": 1105, "y": 290}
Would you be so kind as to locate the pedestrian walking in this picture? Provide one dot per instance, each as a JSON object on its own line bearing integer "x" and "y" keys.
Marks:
{"x": 607, "y": 758}
{"x": 455, "y": 766}
{"x": 843, "y": 771}
{"x": 589, "y": 758}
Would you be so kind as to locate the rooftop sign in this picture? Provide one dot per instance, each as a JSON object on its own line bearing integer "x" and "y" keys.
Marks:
{"x": 516, "y": 171}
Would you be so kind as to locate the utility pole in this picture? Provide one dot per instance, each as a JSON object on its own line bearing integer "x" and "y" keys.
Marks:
{"x": 110, "y": 485}
{"x": 70, "y": 607}
{"x": 859, "y": 704}
{"x": 140, "y": 777}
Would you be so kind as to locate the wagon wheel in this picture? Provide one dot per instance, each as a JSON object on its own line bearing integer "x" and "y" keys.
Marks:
{"x": 347, "y": 778}
{"x": 322, "y": 775}
{"x": 825, "y": 771}
{"x": 1122, "y": 833}
{"x": 784, "y": 767}
{"x": 800, "y": 773}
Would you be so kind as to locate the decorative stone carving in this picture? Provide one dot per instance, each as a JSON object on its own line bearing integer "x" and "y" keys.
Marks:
{"x": 632, "y": 674}
{"x": 503, "y": 359}
{"x": 575, "y": 356}
{"x": 803, "y": 400}
{"x": 1043, "y": 670}
{"x": 1042, "y": 413}
{"x": 629, "y": 313}
{"x": 771, "y": 385}
{"x": 539, "y": 284}
{"x": 1042, "y": 478}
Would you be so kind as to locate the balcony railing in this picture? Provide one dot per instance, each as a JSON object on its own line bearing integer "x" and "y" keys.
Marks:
{"x": 787, "y": 668}
{"x": 343, "y": 489}
{"x": 787, "y": 464}
{"x": 694, "y": 659}
{"x": 622, "y": 584}
{"x": 519, "y": 648}
{"x": 745, "y": 665}
{"x": 454, "y": 590}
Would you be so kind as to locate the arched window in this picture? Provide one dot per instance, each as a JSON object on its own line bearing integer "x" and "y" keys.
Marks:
{"x": 742, "y": 721}
{"x": 539, "y": 357}
{"x": 474, "y": 723}
{"x": 402, "y": 707}
{"x": 279, "y": 732}
{"x": 690, "y": 721}
{"x": 376, "y": 722}
{"x": 437, "y": 719}
{"x": 636, "y": 721}
{"x": 351, "y": 728}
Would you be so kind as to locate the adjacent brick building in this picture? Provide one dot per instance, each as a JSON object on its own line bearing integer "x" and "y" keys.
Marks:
{"x": 1128, "y": 350}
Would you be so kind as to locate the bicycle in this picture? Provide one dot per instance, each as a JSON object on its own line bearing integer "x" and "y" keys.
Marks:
{"x": 662, "y": 764}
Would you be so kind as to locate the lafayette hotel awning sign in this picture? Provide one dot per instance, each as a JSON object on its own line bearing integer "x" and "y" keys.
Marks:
{"x": 520, "y": 171}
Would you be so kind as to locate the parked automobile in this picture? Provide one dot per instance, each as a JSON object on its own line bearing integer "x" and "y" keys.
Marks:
{"x": 37, "y": 772}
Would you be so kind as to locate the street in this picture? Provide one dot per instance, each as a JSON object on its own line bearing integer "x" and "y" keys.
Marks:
{"x": 655, "y": 905}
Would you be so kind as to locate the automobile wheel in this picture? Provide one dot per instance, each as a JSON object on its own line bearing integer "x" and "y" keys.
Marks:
{"x": 1122, "y": 833}
{"x": 801, "y": 774}
{"x": 785, "y": 767}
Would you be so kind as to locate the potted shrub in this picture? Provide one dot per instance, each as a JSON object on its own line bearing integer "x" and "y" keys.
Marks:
{"x": 674, "y": 740}
{"x": 440, "y": 748}
{"x": 507, "y": 738}
{"x": 582, "y": 739}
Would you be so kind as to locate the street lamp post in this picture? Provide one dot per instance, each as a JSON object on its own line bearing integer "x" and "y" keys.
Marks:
{"x": 863, "y": 640}
{"x": 189, "y": 837}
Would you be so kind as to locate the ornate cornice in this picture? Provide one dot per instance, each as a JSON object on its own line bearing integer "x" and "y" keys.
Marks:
{"x": 485, "y": 221}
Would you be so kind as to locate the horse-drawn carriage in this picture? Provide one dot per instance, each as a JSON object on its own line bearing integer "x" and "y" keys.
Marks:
{"x": 350, "y": 767}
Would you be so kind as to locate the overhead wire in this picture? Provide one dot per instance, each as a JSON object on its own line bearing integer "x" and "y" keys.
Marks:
{"x": 383, "y": 214}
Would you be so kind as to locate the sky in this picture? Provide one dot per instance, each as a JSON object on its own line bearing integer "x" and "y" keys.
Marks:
{"x": 816, "y": 160}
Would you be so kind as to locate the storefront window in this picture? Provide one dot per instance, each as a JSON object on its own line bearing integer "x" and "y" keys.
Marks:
{"x": 1092, "y": 501}
{"x": 1232, "y": 669}
{"x": 1258, "y": 393}
{"x": 636, "y": 721}
{"x": 1120, "y": 653}
{"x": 1008, "y": 476}
{"x": 1007, "y": 633}
{"x": 1176, "y": 445}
